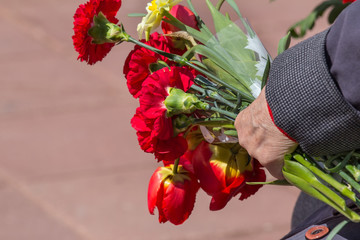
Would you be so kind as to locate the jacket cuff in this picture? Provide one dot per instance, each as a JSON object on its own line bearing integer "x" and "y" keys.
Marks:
{"x": 306, "y": 103}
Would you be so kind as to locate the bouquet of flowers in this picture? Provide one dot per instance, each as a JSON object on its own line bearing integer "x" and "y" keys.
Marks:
{"x": 191, "y": 83}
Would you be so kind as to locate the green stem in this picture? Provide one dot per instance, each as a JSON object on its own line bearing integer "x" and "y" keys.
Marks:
{"x": 218, "y": 80}
{"x": 174, "y": 57}
{"x": 339, "y": 166}
{"x": 219, "y": 4}
{"x": 355, "y": 172}
{"x": 349, "y": 180}
{"x": 183, "y": 61}
{"x": 327, "y": 178}
{"x": 214, "y": 95}
{"x": 232, "y": 133}
{"x": 224, "y": 112}
{"x": 176, "y": 165}
{"x": 214, "y": 122}
{"x": 337, "y": 229}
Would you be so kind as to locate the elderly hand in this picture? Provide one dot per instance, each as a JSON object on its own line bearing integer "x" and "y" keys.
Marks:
{"x": 261, "y": 138}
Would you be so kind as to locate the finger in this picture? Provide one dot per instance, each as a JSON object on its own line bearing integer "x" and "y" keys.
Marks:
{"x": 275, "y": 169}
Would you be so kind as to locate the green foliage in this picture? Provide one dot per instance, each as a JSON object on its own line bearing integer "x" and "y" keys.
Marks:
{"x": 224, "y": 53}
{"x": 300, "y": 28}
{"x": 266, "y": 73}
{"x": 303, "y": 172}
{"x": 284, "y": 43}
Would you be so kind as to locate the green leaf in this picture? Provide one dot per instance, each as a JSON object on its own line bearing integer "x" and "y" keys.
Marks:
{"x": 227, "y": 77}
{"x": 326, "y": 177}
{"x": 300, "y": 28}
{"x": 335, "y": 12}
{"x": 201, "y": 24}
{"x": 266, "y": 73}
{"x": 153, "y": 67}
{"x": 236, "y": 9}
{"x": 276, "y": 182}
{"x": 337, "y": 229}
{"x": 304, "y": 173}
{"x": 307, "y": 188}
{"x": 284, "y": 43}
{"x": 231, "y": 43}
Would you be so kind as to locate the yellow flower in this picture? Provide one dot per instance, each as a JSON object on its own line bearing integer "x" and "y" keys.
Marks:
{"x": 153, "y": 18}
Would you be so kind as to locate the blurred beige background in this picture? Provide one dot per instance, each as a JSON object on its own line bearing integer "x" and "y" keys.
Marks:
{"x": 70, "y": 166}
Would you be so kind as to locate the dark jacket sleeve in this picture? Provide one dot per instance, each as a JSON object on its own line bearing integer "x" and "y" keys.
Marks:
{"x": 312, "y": 96}
{"x": 343, "y": 48}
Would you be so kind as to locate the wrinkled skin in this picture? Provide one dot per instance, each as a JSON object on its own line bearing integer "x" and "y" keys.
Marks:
{"x": 262, "y": 139}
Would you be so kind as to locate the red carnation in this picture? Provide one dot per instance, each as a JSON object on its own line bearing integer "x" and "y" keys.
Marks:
{"x": 348, "y": 1}
{"x": 155, "y": 88}
{"x": 138, "y": 63}
{"x": 155, "y": 136}
{"x": 154, "y": 129}
{"x": 83, "y": 20}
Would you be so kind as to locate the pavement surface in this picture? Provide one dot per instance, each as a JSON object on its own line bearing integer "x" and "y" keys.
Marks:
{"x": 70, "y": 166}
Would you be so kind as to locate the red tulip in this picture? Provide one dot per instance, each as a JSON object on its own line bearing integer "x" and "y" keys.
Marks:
{"x": 184, "y": 15}
{"x": 223, "y": 171}
{"x": 173, "y": 194}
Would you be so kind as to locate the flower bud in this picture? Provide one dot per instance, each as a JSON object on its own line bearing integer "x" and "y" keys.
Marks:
{"x": 173, "y": 194}
{"x": 179, "y": 102}
{"x": 104, "y": 31}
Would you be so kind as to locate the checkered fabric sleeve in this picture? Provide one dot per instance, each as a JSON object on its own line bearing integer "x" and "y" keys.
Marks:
{"x": 306, "y": 102}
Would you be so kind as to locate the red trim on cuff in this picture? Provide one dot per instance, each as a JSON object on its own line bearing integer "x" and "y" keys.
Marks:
{"x": 281, "y": 130}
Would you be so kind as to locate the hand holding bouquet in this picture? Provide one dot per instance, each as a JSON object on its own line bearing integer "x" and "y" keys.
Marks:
{"x": 191, "y": 84}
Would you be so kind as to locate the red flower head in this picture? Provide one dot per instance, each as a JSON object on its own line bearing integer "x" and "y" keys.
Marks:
{"x": 223, "y": 171}
{"x": 155, "y": 136}
{"x": 156, "y": 88}
{"x": 139, "y": 62}
{"x": 173, "y": 194}
{"x": 348, "y": 1}
{"x": 83, "y": 20}
{"x": 154, "y": 128}
{"x": 184, "y": 15}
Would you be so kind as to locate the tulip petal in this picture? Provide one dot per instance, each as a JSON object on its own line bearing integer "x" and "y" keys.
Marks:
{"x": 159, "y": 204}
{"x": 179, "y": 200}
{"x": 209, "y": 181}
{"x": 155, "y": 184}
{"x": 220, "y": 199}
{"x": 257, "y": 175}
{"x": 173, "y": 148}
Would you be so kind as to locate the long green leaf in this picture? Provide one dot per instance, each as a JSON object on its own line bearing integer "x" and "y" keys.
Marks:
{"x": 299, "y": 170}
{"x": 221, "y": 67}
{"x": 307, "y": 188}
{"x": 231, "y": 44}
{"x": 326, "y": 177}
{"x": 236, "y": 9}
{"x": 266, "y": 73}
{"x": 202, "y": 26}
{"x": 300, "y": 28}
{"x": 284, "y": 43}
